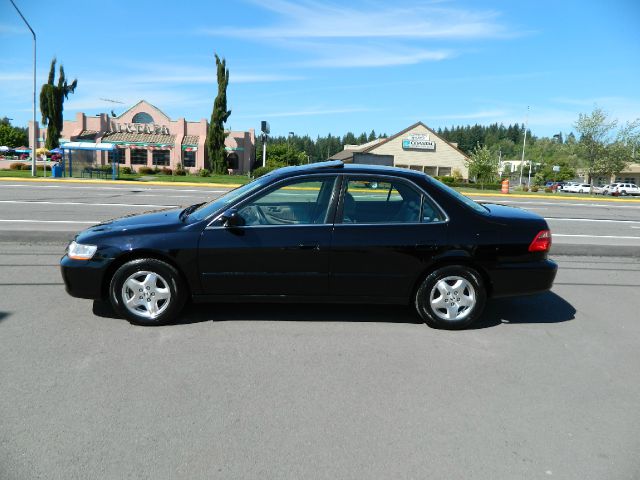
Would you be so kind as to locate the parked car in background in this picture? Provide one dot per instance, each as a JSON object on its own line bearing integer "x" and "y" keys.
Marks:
{"x": 578, "y": 188}
{"x": 604, "y": 190}
{"x": 624, "y": 189}
{"x": 326, "y": 232}
{"x": 566, "y": 187}
{"x": 597, "y": 189}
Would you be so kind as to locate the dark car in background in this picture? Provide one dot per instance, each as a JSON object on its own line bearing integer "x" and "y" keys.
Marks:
{"x": 325, "y": 232}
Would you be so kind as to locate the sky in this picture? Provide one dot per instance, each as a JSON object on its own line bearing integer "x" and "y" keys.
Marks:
{"x": 318, "y": 67}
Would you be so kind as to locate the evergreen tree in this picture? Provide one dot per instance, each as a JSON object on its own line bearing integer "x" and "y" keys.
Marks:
{"x": 372, "y": 136}
{"x": 52, "y": 99}
{"x": 216, "y": 134}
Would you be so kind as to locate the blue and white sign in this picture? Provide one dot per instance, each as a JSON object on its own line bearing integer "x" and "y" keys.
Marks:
{"x": 418, "y": 141}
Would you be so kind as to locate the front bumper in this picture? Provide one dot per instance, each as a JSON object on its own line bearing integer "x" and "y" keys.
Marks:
{"x": 522, "y": 278}
{"x": 83, "y": 278}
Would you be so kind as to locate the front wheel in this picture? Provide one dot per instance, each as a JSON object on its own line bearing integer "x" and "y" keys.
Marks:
{"x": 451, "y": 298}
{"x": 147, "y": 292}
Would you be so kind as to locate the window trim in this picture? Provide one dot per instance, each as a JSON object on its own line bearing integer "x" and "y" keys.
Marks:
{"x": 330, "y": 208}
{"x": 406, "y": 181}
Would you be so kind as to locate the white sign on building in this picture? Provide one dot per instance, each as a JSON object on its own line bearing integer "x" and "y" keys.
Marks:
{"x": 418, "y": 141}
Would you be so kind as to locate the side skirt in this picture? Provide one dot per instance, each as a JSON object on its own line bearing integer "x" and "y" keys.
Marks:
{"x": 298, "y": 299}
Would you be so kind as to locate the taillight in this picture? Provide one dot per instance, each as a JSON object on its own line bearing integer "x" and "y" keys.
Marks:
{"x": 541, "y": 242}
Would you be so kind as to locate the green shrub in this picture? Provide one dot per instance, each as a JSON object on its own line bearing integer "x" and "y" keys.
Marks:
{"x": 203, "y": 172}
{"x": 126, "y": 170}
{"x": 40, "y": 168}
{"x": 534, "y": 188}
{"x": 146, "y": 171}
{"x": 260, "y": 171}
{"x": 25, "y": 166}
{"x": 448, "y": 180}
{"x": 166, "y": 171}
{"x": 17, "y": 166}
{"x": 548, "y": 190}
{"x": 525, "y": 188}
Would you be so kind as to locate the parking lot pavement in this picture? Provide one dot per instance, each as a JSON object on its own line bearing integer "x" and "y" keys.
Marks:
{"x": 544, "y": 387}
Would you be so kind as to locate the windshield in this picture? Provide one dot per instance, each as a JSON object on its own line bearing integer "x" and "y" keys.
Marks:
{"x": 463, "y": 198}
{"x": 228, "y": 198}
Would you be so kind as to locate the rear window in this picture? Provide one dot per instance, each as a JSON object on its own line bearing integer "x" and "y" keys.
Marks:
{"x": 463, "y": 198}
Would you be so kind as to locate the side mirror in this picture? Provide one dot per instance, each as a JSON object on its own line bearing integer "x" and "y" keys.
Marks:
{"x": 231, "y": 218}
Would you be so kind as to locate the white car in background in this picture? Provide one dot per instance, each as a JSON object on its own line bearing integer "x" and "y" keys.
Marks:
{"x": 579, "y": 188}
{"x": 624, "y": 189}
{"x": 567, "y": 186}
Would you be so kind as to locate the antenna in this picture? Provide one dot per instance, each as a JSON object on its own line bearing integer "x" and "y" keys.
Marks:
{"x": 112, "y": 101}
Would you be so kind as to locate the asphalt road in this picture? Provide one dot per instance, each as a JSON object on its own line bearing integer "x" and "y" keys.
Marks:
{"x": 55, "y": 211}
{"x": 544, "y": 387}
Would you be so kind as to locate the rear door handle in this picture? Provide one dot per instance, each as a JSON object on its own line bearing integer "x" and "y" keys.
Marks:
{"x": 309, "y": 246}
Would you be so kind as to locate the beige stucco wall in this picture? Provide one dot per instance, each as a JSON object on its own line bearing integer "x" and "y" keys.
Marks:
{"x": 443, "y": 156}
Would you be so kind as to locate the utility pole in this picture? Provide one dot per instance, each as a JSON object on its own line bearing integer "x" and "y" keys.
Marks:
{"x": 524, "y": 142}
{"x": 34, "y": 137}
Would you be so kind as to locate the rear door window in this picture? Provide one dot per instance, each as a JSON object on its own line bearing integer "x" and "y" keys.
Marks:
{"x": 374, "y": 201}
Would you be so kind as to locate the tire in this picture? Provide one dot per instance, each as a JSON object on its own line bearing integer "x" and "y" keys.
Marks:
{"x": 467, "y": 292}
{"x": 160, "y": 294}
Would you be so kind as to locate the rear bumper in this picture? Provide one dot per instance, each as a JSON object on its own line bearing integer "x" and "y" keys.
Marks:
{"x": 522, "y": 278}
{"x": 83, "y": 279}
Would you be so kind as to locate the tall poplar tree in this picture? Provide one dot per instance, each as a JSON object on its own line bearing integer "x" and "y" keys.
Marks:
{"x": 216, "y": 135}
{"x": 52, "y": 98}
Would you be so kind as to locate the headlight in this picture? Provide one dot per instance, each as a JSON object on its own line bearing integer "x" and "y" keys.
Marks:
{"x": 78, "y": 251}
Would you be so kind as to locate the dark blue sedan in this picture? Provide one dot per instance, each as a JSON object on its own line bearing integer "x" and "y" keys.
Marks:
{"x": 325, "y": 232}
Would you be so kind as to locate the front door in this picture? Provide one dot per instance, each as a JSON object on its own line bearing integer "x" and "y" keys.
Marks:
{"x": 282, "y": 248}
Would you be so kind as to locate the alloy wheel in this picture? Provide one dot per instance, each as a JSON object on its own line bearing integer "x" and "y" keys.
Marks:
{"x": 452, "y": 298}
{"x": 146, "y": 294}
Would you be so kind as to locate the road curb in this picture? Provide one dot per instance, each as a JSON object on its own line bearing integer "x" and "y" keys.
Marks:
{"x": 554, "y": 197}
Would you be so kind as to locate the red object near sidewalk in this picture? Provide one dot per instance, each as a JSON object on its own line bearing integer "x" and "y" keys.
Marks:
{"x": 505, "y": 186}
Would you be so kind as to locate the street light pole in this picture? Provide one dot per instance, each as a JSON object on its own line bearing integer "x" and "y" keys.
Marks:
{"x": 33, "y": 130}
{"x": 524, "y": 142}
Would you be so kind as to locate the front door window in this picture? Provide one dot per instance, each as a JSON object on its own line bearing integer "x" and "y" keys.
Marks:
{"x": 301, "y": 202}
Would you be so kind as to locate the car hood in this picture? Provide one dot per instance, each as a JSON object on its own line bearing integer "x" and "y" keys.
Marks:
{"x": 151, "y": 221}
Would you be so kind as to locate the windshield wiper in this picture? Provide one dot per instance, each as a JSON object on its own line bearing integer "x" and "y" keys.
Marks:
{"x": 190, "y": 209}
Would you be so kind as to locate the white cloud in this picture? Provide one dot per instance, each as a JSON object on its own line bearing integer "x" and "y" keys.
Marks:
{"x": 312, "y": 19}
{"x": 373, "y": 34}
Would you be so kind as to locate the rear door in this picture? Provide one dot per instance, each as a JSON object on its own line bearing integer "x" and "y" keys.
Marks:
{"x": 387, "y": 230}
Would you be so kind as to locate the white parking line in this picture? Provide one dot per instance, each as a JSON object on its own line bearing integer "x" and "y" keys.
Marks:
{"x": 123, "y": 188}
{"x": 594, "y": 236}
{"x": 562, "y": 204}
{"x": 146, "y": 205}
{"x": 83, "y": 222}
{"x": 590, "y": 220}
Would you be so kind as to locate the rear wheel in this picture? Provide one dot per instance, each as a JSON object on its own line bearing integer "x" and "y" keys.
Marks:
{"x": 451, "y": 297}
{"x": 147, "y": 292}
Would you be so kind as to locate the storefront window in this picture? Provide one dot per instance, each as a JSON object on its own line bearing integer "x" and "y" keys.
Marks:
{"x": 116, "y": 156}
{"x": 138, "y": 156}
{"x": 161, "y": 157}
{"x": 188, "y": 159}
{"x": 444, "y": 171}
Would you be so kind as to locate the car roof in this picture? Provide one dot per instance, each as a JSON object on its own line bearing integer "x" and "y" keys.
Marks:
{"x": 337, "y": 166}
